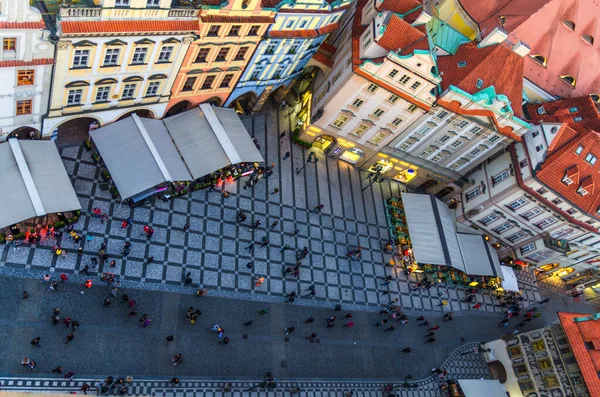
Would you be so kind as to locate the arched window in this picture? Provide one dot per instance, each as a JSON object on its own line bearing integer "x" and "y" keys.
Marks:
{"x": 588, "y": 38}
{"x": 569, "y": 24}
{"x": 595, "y": 98}
{"x": 539, "y": 59}
{"x": 570, "y": 80}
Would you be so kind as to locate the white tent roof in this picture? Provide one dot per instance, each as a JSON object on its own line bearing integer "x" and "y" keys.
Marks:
{"x": 509, "y": 279}
{"x": 35, "y": 181}
{"x": 435, "y": 239}
{"x": 210, "y": 138}
{"x": 133, "y": 151}
{"x": 482, "y": 387}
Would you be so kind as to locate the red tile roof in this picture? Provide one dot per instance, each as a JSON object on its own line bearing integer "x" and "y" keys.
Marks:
{"x": 563, "y": 159}
{"x": 588, "y": 360}
{"x": 23, "y": 25}
{"x": 322, "y": 58}
{"x": 496, "y": 65}
{"x": 486, "y": 13}
{"x": 33, "y": 62}
{"x": 76, "y": 27}
{"x": 398, "y": 6}
{"x": 563, "y": 111}
{"x": 400, "y": 36}
{"x": 236, "y": 19}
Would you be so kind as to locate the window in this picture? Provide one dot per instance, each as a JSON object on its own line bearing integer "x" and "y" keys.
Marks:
{"x": 74, "y": 97}
{"x": 423, "y": 130}
{"x": 456, "y": 144}
{"x": 336, "y": 77}
{"x": 111, "y": 57}
{"x": 392, "y": 73}
{"x": 444, "y": 138}
{"x": 578, "y": 119}
{"x": 372, "y": 87}
{"x": 102, "y": 94}
{"x": 139, "y": 56}
{"x": 523, "y": 163}
{"x": 498, "y": 178}
{"x": 542, "y": 191}
{"x": 441, "y": 114}
{"x": 411, "y": 108}
{"x": 202, "y": 54}
{"x": 502, "y": 228}
{"x": 129, "y": 91}
{"x": 535, "y": 133}
{"x": 80, "y": 58}
{"x": 479, "y": 83}
{"x": 393, "y": 98}
{"x": 213, "y": 30}
{"x": 358, "y": 103}
{"x": 475, "y": 130}
{"x": 463, "y": 124}
{"x": 556, "y": 201}
{"x": 361, "y": 129}
{"x": 579, "y": 150}
{"x": 566, "y": 180}
{"x": 539, "y": 59}
{"x": 462, "y": 64}
{"x": 474, "y": 152}
{"x": 189, "y": 84}
{"x": 527, "y": 248}
{"x": 271, "y": 47}
{"x": 294, "y": 48}
{"x": 590, "y": 158}
{"x": 427, "y": 152}
{"x": 378, "y": 113}
{"x": 516, "y": 236}
{"x": 539, "y": 148}
{"x": 256, "y": 72}
{"x": 9, "y": 44}
{"x": 152, "y": 3}
{"x": 415, "y": 85}
{"x": 581, "y": 191}
{"x": 518, "y": 203}
{"x": 544, "y": 223}
{"x": 406, "y": 145}
{"x": 438, "y": 157}
{"x": 397, "y": 121}
{"x": 165, "y": 54}
{"x": 25, "y": 77}
{"x": 380, "y": 136}
{"x": 290, "y": 24}
{"x": 494, "y": 138}
{"x": 473, "y": 193}
{"x": 340, "y": 121}
{"x": 226, "y": 80}
{"x": 571, "y": 211}
{"x": 457, "y": 164}
{"x": 404, "y": 79}
{"x": 278, "y": 71}
{"x": 222, "y": 54}
{"x": 302, "y": 24}
{"x": 23, "y": 107}
{"x": 366, "y": 43}
{"x": 538, "y": 257}
{"x": 254, "y": 30}
{"x": 486, "y": 220}
{"x": 152, "y": 89}
{"x": 241, "y": 54}
{"x": 208, "y": 82}
{"x": 122, "y": 3}
{"x": 532, "y": 213}
{"x": 234, "y": 31}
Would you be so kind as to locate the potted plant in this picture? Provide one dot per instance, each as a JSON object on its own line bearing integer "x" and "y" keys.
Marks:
{"x": 114, "y": 192}
{"x": 87, "y": 144}
{"x": 96, "y": 157}
{"x": 105, "y": 175}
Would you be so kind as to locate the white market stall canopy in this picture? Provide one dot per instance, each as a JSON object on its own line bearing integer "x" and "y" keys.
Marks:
{"x": 436, "y": 241}
{"x": 142, "y": 153}
{"x": 509, "y": 279}
{"x": 35, "y": 182}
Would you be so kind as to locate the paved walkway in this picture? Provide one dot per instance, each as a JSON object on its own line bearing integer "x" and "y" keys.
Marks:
{"x": 214, "y": 249}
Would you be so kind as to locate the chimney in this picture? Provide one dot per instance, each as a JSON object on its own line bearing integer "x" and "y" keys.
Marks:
{"x": 521, "y": 49}
{"x": 497, "y": 36}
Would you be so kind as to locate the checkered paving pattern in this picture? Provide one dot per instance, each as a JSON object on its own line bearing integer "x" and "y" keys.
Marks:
{"x": 214, "y": 250}
{"x": 555, "y": 284}
{"x": 458, "y": 365}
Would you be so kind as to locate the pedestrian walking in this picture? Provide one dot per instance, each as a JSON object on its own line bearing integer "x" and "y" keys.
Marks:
{"x": 263, "y": 312}
{"x": 75, "y": 325}
{"x": 250, "y": 247}
{"x": 349, "y": 324}
{"x": 186, "y": 227}
{"x": 312, "y": 336}
{"x": 424, "y": 324}
{"x": 284, "y": 248}
{"x": 58, "y": 370}
{"x": 337, "y": 308}
{"x": 309, "y": 320}
{"x": 69, "y": 375}
{"x": 286, "y": 155}
{"x": 381, "y": 322}
{"x": 296, "y": 232}
{"x": 149, "y": 260}
{"x": 347, "y": 316}
{"x": 274, "y": 224}
{"x": 477, "y": 306}
{"x": 106, "y": 303}
{"x": 275, "y": 191}
{"x": 178, "y": 359}
{"x": 391, "y": 328}
{"x": 25, "y": 295}
{"x": 170, "y": 338}
{"x": 289, "y": 330}
{"x": 430, "y": 340}
{"x": 545, "y": 300}
{"x": 69, "y": 338}
{"x": 406, "y": 350}
{"x": 317, "y": 209}
{"x": 259, "y": 281}
{"x": 434, "y": 328}
{"x": 174, "y": 381}
{"x": 248, "y": 323}
{"x": 249, "y": 265}
{"x": 255, "y": 225}
{"x": 265, "y": 242}
{"x": 224, "y": 341}
{"x": 36, "y": 342}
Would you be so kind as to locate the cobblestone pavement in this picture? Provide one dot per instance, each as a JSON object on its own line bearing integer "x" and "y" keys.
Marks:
{"x": 460, "y": 365}
{"x": 214, "y": 249}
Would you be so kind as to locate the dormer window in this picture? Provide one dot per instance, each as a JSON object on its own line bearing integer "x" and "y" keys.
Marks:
{"x": 541, "y": 110}
{"x": 586, "y": 186}
{"x": 590, "y": 158}
{"x": 581, "y": 191}
{"x": 588, "y": 38}
{"x": 462, "y": 64}
{"x": 479, "y": 83}
{"x": 567, "y": 181}
{"x": 569, "y": 24}
{"x": 539, "y": 59}
{"x": 573, "y": 110}
{"x": 570, "y": 80}
{"x": 571, "y": 175}
{"x": 579, "y": 150}
{"x": 577, "y": 119}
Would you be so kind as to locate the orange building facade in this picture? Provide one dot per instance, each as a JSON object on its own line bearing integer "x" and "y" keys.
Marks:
{"x": 229, "y": 34}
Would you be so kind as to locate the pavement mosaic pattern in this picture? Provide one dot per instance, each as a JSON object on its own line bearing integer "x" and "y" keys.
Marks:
{"x": 215, "y": 252}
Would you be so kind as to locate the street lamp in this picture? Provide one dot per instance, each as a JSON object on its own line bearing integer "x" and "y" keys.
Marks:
{"x": 374, "y": 176}
{"x": 312, "y": 159}
{"x": 406, "y": 378}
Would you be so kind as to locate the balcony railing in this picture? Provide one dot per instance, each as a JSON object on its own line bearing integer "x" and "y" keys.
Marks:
{"x": 80, "y": 12}
{"x": 183, "y": 12}
{"x": 96, "y": 12}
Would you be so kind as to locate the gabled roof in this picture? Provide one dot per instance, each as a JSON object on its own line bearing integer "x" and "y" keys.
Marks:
{"x": 578, "y": 333}
{"x": 473, "y": 68}
{"x": 566, "y": 111}
{"x": 562, "y": 160}
{"x": 539, "y": 23}
{"x": 126, "y": 26}
{"x": 400, "y": 36}
{"x": 398, "y": 6}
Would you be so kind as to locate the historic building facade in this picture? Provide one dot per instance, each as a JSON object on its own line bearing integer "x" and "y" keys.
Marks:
{"x": 290, "y": 43}
{"x": 537, "y": 198}
{"x": 229, "y": 34}
{"x": 25, "y": 70}
{"x": 116, "y": 58}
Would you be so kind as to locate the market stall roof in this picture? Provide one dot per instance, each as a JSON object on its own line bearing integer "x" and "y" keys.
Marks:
{"x": 481, "y": 387}
{"x": 509, "y": 279}
{"x": 35, "y": 180}
{"x": 139, "y": 154}
{"x": 436, "y": 239}
{"x": 210, "y": 138}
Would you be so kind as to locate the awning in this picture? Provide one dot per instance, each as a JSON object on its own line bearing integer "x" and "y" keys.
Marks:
{"x": 509, "y": 279}
{"x": 210, "y": 138}
{"x": 481, "y": 387}
{"x": 34, "y": 181}
{"x": 436, "y": 239}
{"x": 139, "y": 155}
